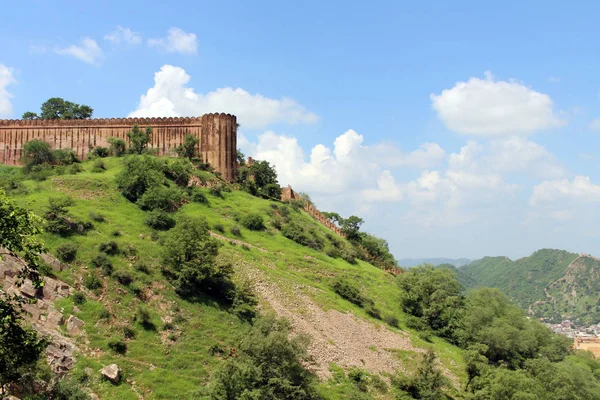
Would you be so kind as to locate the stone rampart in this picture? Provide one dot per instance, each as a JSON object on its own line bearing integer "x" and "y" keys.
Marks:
{"x": 217, "y": 134}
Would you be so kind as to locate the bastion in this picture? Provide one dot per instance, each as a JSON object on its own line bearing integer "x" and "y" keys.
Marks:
{"x": 217, "y": 134}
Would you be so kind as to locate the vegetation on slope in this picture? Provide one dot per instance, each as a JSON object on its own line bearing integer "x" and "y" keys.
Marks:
{"x": 551, "y": 284}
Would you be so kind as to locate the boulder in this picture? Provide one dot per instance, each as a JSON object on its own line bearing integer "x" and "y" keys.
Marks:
{"x": 74, "y": 325}
{"x": 112, "y": 372}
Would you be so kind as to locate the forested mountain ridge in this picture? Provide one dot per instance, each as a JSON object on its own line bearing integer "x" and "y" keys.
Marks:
{"x": 550, "y": 284}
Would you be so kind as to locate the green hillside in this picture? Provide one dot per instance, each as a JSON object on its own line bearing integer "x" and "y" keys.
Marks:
{"x": 550, "y": 284}
{"x": 183, "y": 341}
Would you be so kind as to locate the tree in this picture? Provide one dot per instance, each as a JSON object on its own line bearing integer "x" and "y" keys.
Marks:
{"x": 29, "y": 115}
{"x": 188, "y": 148}
{"x": 351, "y": 226}
{"x": 138, "y": 139}
{"x": 428, "y": 383}
{"x": 268, "y": 366}
{"x": 37, "y": 152}
{"x": 139, "y": 174}
{"x": 20, "y": 348}
{"x": 57, "y": 108}
{"x": 241, "y": 157}
{"x": 433, "y": 295}
{"x": 190, "y": 259}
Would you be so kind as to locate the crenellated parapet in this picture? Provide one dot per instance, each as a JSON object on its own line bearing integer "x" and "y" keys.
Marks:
{"x": 217, "y": 134}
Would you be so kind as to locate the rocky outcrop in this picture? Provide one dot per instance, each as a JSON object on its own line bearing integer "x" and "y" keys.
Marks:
{"x": 112, "y": 372}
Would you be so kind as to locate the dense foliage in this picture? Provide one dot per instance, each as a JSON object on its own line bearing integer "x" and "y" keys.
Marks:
{"x": 57, "y": 108}
{"x": 268, "y": 366}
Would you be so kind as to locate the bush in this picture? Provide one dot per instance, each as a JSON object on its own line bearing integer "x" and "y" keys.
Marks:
{"x": 219, "y": 228}
{"x": 128, "y": 332}
{"x": 296, "y": 232}
{"x": 179, "y": 171}
{"x": 101, "y": 152}
{"x": 350, "y": 292}
{"x": 216, "y": 190}
{"x": 91, "y": 281}
{"x": 374, "y": 312}
{"x": 142, "y": 267}
{"x": 123, "y": 277}
{"x": 391, "y": 321}
{"x": 74, "y": 169}
{"x": 118, "y": 146}
{"x": 197, "y": 196}
{"x": 160, "y": 220}
{"x": 190, "y": 261}
{"x": 269, "y": 365}
{"x": 118, "y": 346}
{"x": 67, "y": 389}
{"x": 143, "y": 317}
{"x": 65, "y": 157}
{"x": 163, "y": 198}
{"x": 140, "y": 173}
{"x": 37, "y": 152}
{"x": 254, "y": 222}
{"x": 110, "y": 248}
{"x": 97, "y": 217}
{"x": 99, "y": 166}
{"x": 236, "y": 231}
{"x": 101, "y": 261}
{"x": 138, "y": 139}
{"x": 245, "y": 301}
{"x": 78, "y": 298}
{"x": 66, "y": 252}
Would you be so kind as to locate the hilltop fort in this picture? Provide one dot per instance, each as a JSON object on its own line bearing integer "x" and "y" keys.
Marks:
{"x": 217, "y": 134}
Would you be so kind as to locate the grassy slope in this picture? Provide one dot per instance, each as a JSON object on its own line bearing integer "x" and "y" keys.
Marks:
{"x": 522, "y": 280}
{"x": 180, "y": 357}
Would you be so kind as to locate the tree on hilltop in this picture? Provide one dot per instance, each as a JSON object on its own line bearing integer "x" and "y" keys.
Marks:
{"x": 58, "y": 108}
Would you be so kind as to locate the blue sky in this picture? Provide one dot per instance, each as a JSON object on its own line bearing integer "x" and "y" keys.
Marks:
{"x": 462, "y": 129}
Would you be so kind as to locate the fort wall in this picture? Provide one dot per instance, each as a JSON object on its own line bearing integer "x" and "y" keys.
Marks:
{"x": 288, "y": 194}
{"x": 217, "y": 134}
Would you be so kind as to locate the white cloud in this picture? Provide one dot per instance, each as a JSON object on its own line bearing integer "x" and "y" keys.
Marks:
{"x": 123, "y": 35}
{"x": 595, "y": 124}
{"x": 580, "y": 189}
{"x": 87, "y": 51}
{"x": 171, "y": 97}
{"x": 491, "y": 108}
{"x": 6, "y": 79}
{"x": 177, "y": 41}
{"x": 520, "y": 155}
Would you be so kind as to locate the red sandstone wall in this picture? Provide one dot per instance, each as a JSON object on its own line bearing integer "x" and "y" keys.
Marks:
{"x": 217, "y": 133}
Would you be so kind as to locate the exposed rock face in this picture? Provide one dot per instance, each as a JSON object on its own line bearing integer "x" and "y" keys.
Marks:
{"x": 112, "y": 372}
{"x": 74, "y": 325}
{"x": 44, "y": 318}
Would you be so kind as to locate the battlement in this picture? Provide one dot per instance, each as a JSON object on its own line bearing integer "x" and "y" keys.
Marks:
{"x": 217, "y": 134}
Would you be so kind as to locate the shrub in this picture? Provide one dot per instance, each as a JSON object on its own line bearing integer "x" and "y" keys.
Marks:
{"x": 198, "y": 196}
{"x": 163, "y": 198}
{"x": 190, "y": 261}
{"x": 350, "y": 292}
{"x": 254, "y": 222}
{"x": 65, "y": 157}
{"x": 334, "y": 252}
{"x": 216, "y": 190}
{"x": 374, "y": 312}
{"x": 188, "y": 148}
{"x": 97, "y": 217}
{"x": 104, "y": 314}
{"x": 123, "y": 277}
{"x": 128, "y": 332}
{"x": 78, "y": 298}
{"x": 45, "y": 269}
{"x": 115, "y": 233}
{"x": 142, "y": 267}
{"x": 118, "y": 346}
{"x": 219, "y": 228}
{"x": 66, "y": 252}
{"x": 98, "y": 166}
{"x": 160, "y": 220}
{"x": 236, "y": 231}
{"x": 138, "y": 139}
{"x": 349, "y": 255}
{"x": 67, "y": 389}
{"x": 139, "y": 174}
{"x": 245, "y": 247}
{"x": 91, "y": 281}
{"x": 74, "y": 169}
{"x": 118, "y": 146}
{"x": 37, "y": 152}
{"x": 277, "y": 223}
{"x": 244, "y": 301}
{"x": 269, "y": 365}
{"x": 137, "y": 290}
{"x": 110, "y": 248}
{"x": 101, "y": 261}
{"x": 101, "y": 152}
{"x": 143, "y": 317}
{"x": 179, "y": 171}
{"x": 391, "y": 321}
{"x": 296, "y": 232}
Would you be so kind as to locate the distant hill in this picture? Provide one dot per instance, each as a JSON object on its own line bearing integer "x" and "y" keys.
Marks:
{"x": 413, "y": 262}
{"x": 550, "y": 284}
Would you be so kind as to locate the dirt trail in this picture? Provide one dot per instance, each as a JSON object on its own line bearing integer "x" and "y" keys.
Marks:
{"x": 337, "y": 337}
{"x": 221, "y": 237}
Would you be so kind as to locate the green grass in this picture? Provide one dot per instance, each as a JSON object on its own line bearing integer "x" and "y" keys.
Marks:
{"x": 168, "y": 369}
